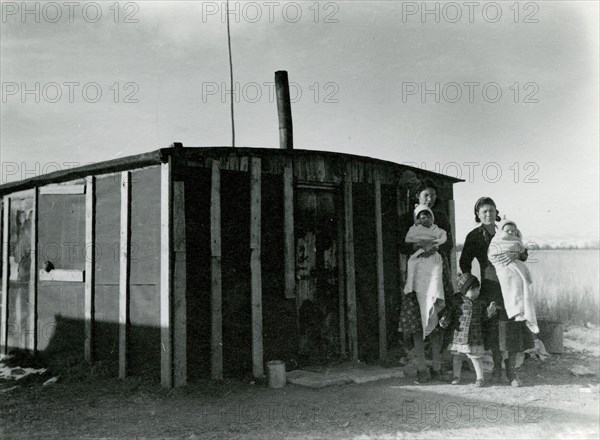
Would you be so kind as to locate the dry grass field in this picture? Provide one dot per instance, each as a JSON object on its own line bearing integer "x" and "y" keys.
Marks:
{"x": 566, "y": 284}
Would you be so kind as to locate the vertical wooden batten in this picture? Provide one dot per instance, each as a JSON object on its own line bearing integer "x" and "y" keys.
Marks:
{"x": 288, "y": 226}
{"x": 33, "y": 278}
{"x": 5, "y": 274}
{"x": 166, "y": 331}
{"x": 453, "y": 263}
{"x": 125, "y": 242}
{"x": 216, "y": 285}
{"x": 90, "y": 255}
{"x": 380, "y": 278}
{"x": 179, "y": 321}
{"x": 255, "y": 267}
{"x": 401, "y": 208}
{"x": 349, "y": 263}
{"x": 340, "y": 276}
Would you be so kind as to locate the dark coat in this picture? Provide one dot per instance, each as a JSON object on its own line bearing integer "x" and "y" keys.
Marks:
{"x": 476, "y": 248}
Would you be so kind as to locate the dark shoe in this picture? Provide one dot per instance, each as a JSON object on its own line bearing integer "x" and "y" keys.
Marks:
{"x": 423, "y": 375}
{"x": 497, "y": 375}
{"x": 437, "y": 375}
{"x": 510, "y": 372}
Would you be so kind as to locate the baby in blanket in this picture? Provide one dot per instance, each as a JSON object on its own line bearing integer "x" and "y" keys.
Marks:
{"x": 515, "y": 278}
{"x": 424, "y": 275}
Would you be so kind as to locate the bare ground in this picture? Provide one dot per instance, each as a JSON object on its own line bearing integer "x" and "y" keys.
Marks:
{"x": 549, "y": 405}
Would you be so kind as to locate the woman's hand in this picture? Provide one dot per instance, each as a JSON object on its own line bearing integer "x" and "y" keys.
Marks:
{"x": 444, "y": 322}
{"x": 523, "y": 255}
{"x": 505, "y": 258}
{"x": 491, "y": 310}
{"x": 420, "y": 245}
{"x": 429, "y": 248}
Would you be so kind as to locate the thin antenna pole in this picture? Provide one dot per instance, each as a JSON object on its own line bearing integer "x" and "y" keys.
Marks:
{"x": 230, "y": 77}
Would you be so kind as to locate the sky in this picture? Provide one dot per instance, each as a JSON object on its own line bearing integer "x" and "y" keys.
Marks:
{"x": 501, "y": 94}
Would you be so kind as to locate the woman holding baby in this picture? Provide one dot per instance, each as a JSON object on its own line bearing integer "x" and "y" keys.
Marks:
{"x": 500, "y": 332}
{"x": 412, "y": 322}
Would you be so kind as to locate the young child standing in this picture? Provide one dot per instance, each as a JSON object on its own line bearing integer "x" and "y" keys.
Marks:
{"x": 424, "y": 274}
{"x": 468, "y": 314}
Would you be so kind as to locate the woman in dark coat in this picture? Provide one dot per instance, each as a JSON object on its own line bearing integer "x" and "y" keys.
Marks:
{"x": 410, "y": 314}
{"x": 500, "y": 333}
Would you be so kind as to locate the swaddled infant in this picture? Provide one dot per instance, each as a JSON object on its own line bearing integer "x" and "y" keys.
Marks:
{"x": 514, "y": 277}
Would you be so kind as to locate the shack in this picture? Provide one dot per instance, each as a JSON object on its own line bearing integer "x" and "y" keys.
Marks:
{"x": 207, "y": 262}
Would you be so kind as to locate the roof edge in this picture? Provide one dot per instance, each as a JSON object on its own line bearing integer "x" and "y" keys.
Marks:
{"x": 162, "y": 155}
{"x": 104, "y": 167}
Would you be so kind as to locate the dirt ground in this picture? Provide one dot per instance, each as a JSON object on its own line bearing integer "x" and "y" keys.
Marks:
{"x": 549, "y": 405}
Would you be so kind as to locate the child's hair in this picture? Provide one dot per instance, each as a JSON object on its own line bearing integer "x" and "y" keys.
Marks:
{"x": 485, "y": 201}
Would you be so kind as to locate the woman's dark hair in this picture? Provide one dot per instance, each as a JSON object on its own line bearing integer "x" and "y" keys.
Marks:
{"x": 485, "y": 201}
{"x": 423, "y": 185}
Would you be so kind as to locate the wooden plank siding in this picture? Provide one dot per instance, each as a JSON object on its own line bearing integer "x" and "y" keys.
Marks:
{"x": 64, "y": 275}
{"x": 317, "y": 168}
{"x": 380, "y": 279}
{"x": 90, "y": 256}
{"x": 216, "y": 286}
{"x": 179, "y": 321}
{"x": 5, "y": 245}
{"x": 402, "y": 208}
{"x": 384, "y": 182}
{"x": 255, "y": 268}
{"x": 340, "y": 274}
{"x": 62, "y": 189}
{"x": 311, "y": 163}
{"x": 166, "y": 246}
{"x": 124, "y": 245}
{"x": 349, "y": 265}
{"x": 288, "y": 225}
{"x": 33, "y": 281}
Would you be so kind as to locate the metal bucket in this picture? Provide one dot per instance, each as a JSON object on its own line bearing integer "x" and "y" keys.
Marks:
{"x": 276, "y": 374}
{"x": 551, "y": 334}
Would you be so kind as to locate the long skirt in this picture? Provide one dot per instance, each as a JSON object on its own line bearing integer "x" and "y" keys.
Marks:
{"x": 514, "y": 336}
{"x": 500, "y": 333}
{"x": 410, "y": 313}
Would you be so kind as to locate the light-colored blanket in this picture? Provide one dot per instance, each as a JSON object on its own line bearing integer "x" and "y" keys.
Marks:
{"x": 424, "y": 275}
{"x": 515, "y": 279}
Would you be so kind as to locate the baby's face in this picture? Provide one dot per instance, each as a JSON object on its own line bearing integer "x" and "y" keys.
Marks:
{"x": 510, "y": 229}
{"x": 425, "y": 219}
{"x": 472, "y": 293}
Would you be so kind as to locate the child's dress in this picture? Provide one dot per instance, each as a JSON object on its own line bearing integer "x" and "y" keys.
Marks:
{"x": 467, "y": 319}
{"x": 424, "y": 275}
{"x": 514, "y": 278}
